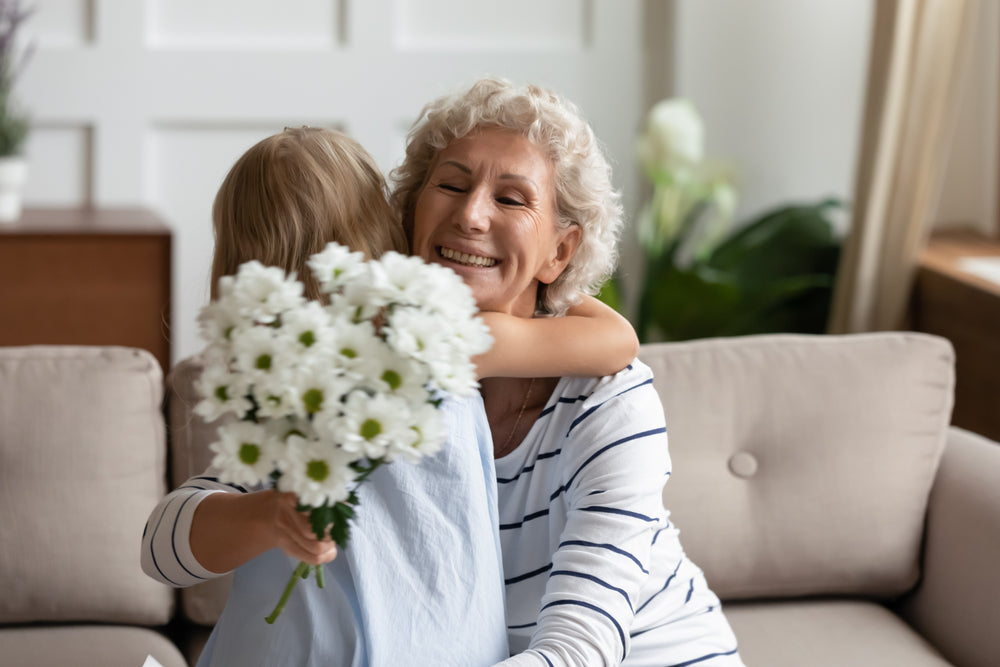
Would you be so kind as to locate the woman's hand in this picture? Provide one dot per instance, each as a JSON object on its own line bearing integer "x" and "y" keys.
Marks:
{"x": 230, "y": 529}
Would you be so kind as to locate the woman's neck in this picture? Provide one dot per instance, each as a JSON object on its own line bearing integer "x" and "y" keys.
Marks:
{"x": 512, "y": 407}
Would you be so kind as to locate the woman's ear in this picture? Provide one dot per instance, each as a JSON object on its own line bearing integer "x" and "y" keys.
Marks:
{"x": 566, "y": 244}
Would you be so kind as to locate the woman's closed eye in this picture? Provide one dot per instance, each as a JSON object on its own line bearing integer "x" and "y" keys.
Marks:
{"x": 510, "y": 201}
{"x": 448, "y": 187}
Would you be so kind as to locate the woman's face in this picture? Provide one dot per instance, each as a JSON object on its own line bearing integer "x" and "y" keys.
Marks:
{"x": 488, "y": 211}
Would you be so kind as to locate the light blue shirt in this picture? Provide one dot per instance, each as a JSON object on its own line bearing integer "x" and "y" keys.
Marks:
{"x": 420, "y": 583}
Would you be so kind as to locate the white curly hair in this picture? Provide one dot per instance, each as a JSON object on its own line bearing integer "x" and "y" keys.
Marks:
{"x": 584, "y": 194}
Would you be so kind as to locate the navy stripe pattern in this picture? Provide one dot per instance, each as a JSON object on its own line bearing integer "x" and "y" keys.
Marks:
{"x": 586, "y": 539}
{"x": 166, "y": 550}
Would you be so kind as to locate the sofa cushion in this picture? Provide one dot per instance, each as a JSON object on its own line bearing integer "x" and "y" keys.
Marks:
{"x": 86, "y": 646}
{"x": 830, "y": 633}
{"x": 82, "y": 463}
{"x": 190, "y": 437}
{"x": 802, "y": 464}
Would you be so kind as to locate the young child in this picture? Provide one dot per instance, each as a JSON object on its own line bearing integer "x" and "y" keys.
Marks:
{"x": 421, "y": 580}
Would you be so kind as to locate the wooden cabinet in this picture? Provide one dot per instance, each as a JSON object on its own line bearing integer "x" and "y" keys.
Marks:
{"x": 86, "y": 277}
{"x": 965, "y": 308}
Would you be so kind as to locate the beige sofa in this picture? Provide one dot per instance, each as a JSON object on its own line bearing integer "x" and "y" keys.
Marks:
{"x": 816, "y": 481}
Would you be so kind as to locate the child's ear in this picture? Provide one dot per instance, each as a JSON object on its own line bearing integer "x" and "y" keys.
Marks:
{"x": 566, "y": 244}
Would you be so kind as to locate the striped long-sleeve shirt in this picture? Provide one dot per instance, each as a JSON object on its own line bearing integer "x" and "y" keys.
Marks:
{"x": 594, "y": 570}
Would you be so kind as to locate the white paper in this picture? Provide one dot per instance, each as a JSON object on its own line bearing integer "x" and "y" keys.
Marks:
{"x": 151, "y": 662}
{"x": 984, "y": 267}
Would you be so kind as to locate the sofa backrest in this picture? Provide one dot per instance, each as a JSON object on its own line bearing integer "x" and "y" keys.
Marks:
{"x": 82, "y": 463}
{"x": 802, "y": 464}
{"x": 190, "y": 437}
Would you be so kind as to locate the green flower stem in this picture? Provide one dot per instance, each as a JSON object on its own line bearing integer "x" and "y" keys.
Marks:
{"x": 320, "y": 581}
{"x": 300, "y": 572}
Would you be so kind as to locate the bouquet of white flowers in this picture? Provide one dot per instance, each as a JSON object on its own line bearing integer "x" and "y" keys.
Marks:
{"x": 326, "y": 393}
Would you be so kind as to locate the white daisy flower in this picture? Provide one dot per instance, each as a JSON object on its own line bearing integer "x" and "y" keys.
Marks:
{"x": 387, "y": 372}
{"x": 427, "y": 424}
{"x": 258, "y": 352}
{"x": 222, "y": 393}
{"x": 406, "y": 278}
{"x": 375, "y": 426}
{"x": 308, "y": 328}
{"x": 366, "y": 296}
{"x": 262, "y": 293}
{"x": 352, "y": 343}
{"x": 316, "y": 472}
{"x": 335, "y": 265}
{"x": 218, "y": 319}
{"x": 244, "y": 453}
{"x": 317, "y": 392}
{"x": 414, "y": 333}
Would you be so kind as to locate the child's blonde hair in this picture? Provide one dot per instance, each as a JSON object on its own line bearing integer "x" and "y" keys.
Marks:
{"x": 294, "y": 192}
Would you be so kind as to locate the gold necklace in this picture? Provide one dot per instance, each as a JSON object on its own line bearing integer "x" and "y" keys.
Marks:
{"x": 517, "y": 422}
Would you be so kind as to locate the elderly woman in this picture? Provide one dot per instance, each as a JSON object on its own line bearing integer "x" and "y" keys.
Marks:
{"x": 508, "y": 187}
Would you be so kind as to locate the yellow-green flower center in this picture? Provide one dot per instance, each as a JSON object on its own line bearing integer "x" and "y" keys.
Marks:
{"x": 263, "y": 362}
{"x": 307, "y": 338}
{"x": 370, "y": 428}
{"x": 392, "y": 378}
{"x": 317, "y": 470}
{"x": 249, "y": 453}
{"x": 222, "y": 393}
{"x": 313, "y": 400}
{"x": 348, "y": 352}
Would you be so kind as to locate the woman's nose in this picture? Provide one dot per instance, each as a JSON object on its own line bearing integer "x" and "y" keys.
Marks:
{"x": 474, "y": 214}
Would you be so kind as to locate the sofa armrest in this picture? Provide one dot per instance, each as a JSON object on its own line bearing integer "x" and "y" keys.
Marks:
{"x": 955, "y": 606}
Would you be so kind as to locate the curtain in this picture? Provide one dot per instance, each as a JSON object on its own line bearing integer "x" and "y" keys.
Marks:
{"x": 918, "y": 50}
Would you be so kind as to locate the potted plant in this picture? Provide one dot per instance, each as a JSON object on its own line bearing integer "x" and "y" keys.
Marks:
{"x": 14, "y": 124}
{"x": 707, "y": 277}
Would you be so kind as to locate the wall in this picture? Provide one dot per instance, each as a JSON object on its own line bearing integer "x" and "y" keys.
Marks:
{"x": 780, "y": 85}
{"x": 150, "y": 101}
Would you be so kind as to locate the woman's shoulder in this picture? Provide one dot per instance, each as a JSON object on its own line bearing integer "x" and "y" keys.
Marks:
{"x": 589, "y": 391}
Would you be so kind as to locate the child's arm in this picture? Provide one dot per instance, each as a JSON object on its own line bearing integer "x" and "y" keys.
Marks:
{"x": 592, "y": 339}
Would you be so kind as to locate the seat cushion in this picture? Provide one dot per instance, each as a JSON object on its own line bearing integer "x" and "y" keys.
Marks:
{"x": 86, "y": 646}
{"x": 802, "y": 465}
{"x": 831, "y": 633}
{"x": 82, "y": 463}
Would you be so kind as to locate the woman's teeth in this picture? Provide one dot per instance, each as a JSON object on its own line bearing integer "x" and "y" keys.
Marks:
{"x": 465, "y": 258}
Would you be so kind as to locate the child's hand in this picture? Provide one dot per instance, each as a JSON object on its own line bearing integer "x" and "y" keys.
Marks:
{"x": 294, "y": 535}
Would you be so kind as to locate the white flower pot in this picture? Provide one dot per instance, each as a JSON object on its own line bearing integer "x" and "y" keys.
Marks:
{"x": 13, "y": 177}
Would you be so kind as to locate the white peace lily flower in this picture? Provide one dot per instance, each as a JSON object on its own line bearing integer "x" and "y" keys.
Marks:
{"x": 375, "y": 426}
{"x": 314, "y": 471}
{"x": 261, "y": 293}
{"x": 244, "y": 453}
{"x": 335, "y": 266}
{"x": 221, "y": 393}
{"x": 674, "y": 137}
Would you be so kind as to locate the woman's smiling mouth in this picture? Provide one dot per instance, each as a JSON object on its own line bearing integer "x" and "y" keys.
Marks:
{"x": 465, "y": 258}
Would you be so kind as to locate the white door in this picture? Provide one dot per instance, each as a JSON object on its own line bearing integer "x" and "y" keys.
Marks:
{"x": 150, "y": 101}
